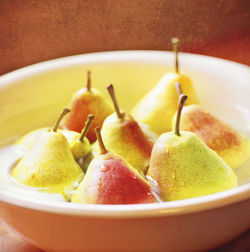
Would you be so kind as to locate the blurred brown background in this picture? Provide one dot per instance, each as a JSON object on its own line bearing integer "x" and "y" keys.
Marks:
{"x": 36, "y": 30}
{"x": 32, "y": 31}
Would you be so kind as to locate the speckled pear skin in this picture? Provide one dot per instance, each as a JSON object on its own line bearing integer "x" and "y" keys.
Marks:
{"x": 49, "y": 164}
{"x": 125, "y": 138}
{"x": 185, "y": 167}
{"x": 158, "y": 107}
{"x": 78, "y": 149}
{"x": 112, "y": 180}
{"x": 82, "y": 104}
{"x": 27, "y": 141}
{"x": 230, "y": 144}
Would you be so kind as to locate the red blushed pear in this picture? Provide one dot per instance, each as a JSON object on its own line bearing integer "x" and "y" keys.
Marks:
{"x": 87, "y": 101}
{"x": 230, "y": 144}
{"x": 123, "y": 136}
{"x": 185, "y": 167}
{"x": 110, "y": 179}
{"x": 226, "y": 141}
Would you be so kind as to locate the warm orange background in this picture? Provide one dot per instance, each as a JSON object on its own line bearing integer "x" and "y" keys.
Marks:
{"x": 32, "y": 31}
{"x": 36, "y": 30}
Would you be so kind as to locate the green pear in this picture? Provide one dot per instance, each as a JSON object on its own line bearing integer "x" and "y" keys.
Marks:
{"x": 80, "y": 145}
{"x": 185, "y": 167}
{"x": 49, "y": 164}
{"x": 159, "y": 105}
{"x": 123, "y": 136}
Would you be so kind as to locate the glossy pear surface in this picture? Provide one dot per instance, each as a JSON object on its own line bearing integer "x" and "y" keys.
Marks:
{"x": 158, "y": 107}
{"x": 230, "y": 144}
{"x": 49, "y": 164}
{"x": 125, "y": 138}
{"x": 78, "y": 149}
{"x": 83, "y": 103}
{"x": 185, "y": 167}
{"x": 112, "y": 180}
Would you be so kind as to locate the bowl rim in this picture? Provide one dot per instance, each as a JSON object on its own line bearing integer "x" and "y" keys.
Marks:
{"x": 170, "y": 208}
{"x": 138, "y": 56}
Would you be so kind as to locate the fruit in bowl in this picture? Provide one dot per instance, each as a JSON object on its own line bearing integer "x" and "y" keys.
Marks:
{"x": 161, "y": 102}
{"x": 86, "y": 227}
{"x": 87, "y": 101}
{"x": 110, "y": 179}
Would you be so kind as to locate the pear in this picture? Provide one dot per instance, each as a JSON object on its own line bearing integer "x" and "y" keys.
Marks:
{"x": 78, "y": 143}
{"x": 123, "y": 136}
{"x": 49, "y": 164}
{"x": 185, "y": 167}
{"x": 86, "y": 101}
{"x": 159, "y": 105}
{"x": 110, "y": 179}
{"x": 230, "y": 144}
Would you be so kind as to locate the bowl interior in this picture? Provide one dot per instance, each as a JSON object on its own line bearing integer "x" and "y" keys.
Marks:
{"x": 32, "y": 97}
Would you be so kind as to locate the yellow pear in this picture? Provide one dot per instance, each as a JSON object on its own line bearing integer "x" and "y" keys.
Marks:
{"x": 27, "y": 141}
{"x": 78, "y": 143}
{"x": 123, "y": 136}
{"x": 49, "y": 164}
{"x": 158, "y": 107}
{"x": 230, "y": 144}
{"x": 185, "y": 167}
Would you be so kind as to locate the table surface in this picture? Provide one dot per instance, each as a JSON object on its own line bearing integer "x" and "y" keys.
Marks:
{"x": 11, "y": 243}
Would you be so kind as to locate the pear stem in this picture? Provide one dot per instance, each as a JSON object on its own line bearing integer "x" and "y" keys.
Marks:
{"x": 113, "y": 97}
{"x": 63, "y": 113}
{"x": 89, "y": 81}
{"x": 86, "y": 127}
{"x": 175, "y": 42}
{"x": 178, "y": 88}
{"x": 181, "y": 102}
{"x": 99, "y": 140}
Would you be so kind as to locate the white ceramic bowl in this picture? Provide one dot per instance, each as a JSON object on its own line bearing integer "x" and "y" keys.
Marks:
{"x": 31, "y": 97}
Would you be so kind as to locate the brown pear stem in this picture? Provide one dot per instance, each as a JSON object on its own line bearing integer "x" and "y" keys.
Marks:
{"x": 89, "y": 81}
{"x": 113, "y": 97}
{"x": 86, "y": 127}
{"x": 99, "y": 140}
{"x": 181, "y": 102}
{"x": 63, "y": 113}
{"x": 175, "y": 42}
{"x": 178, "y": 88}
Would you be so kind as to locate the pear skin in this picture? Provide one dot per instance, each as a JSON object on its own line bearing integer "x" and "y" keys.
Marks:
{"x": 230, "y": 144}
{"x": 78, "y": 149}
{"x": 185, "y": 167}
{"x": 158, "y": 107}
{"x": 83, "y": 103}
{"x": 112, "y": 180}
{"x": 125, "y": 138}
{"x": 49, "y": 164}
{"x": 27, "y": 141}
